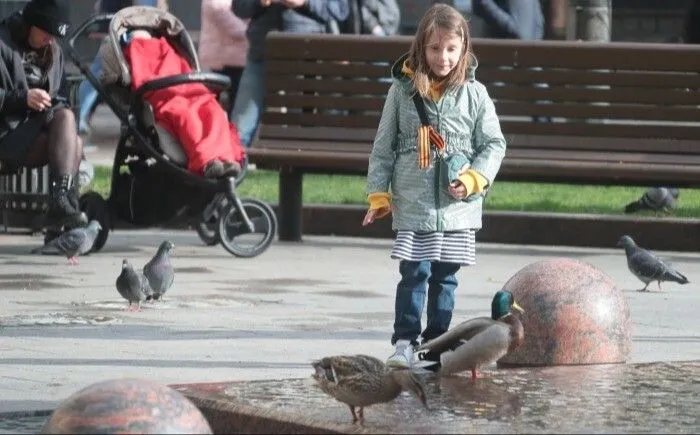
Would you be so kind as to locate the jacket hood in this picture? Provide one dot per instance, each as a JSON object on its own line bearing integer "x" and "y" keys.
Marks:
{"x": 398, "y": 74}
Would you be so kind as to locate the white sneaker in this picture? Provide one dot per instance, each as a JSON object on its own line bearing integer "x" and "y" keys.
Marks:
{"x": 402, "y": 357}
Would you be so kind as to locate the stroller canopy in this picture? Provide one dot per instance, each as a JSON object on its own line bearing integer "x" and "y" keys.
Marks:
{"x": 115, "y": 69}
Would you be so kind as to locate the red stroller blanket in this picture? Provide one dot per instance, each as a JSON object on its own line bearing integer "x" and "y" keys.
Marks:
{"x": 190, "y": 112}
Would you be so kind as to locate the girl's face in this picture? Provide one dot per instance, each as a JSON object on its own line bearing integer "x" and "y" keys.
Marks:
{"x": 442, "y": 52}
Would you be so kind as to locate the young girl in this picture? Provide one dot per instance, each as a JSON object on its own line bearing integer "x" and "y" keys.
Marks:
{"x": 437, "y": 174}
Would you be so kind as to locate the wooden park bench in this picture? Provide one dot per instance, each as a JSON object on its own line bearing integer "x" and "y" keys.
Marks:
{"x": 616, "y": 113}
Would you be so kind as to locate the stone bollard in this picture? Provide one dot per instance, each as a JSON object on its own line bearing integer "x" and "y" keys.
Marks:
{"x": 127, "y": 406}
{"x": 574, "y": 314}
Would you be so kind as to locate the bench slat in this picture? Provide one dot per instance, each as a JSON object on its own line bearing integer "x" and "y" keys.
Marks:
{"x": 592, "y": 111}
{"x": 606, "y": 157}
{"x": 650, "y": 146}
{"x": 330, "y": 134}
{"x": 320, "y": 120}
{"x": 326, "y": 102}
{"x": 613, "y": 95}
{"x": 633, "y": 79}
{"x": 591, "y": 55}
{"x": 290, "y": 83}
{"x": 331, "y": 69}
{"x": 512, "y": 169}
{"x": 558, "y": 54}
{"x": 636, "y": 130}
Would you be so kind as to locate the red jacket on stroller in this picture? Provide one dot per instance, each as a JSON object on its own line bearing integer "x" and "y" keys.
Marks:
{"x": 190, "y": 112}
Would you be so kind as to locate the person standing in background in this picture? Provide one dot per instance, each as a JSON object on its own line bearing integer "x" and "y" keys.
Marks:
{"x": 372, "y": 17}
{"x": 511, "y": 19}
{"x": 223, "y": 45}
{"x": 297, "y": 16}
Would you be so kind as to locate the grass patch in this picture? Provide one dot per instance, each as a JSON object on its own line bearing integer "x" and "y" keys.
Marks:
{"x": 511, "y": 196}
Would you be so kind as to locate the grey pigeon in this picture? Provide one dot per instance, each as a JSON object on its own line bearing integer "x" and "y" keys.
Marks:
{"x": 133, "y": 286}
{"x": 159, "y": 270}
{"x": 73, "y": 243}
{"x": 647, "y": 266}
{"x": 655, "y": 199}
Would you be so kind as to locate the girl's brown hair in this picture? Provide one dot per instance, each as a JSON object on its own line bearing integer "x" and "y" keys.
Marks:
{"x": 446, "y": 18}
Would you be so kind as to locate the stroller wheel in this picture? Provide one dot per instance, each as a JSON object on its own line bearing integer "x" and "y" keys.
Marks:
{"x": 207, "y": 230}
{"x": 96, "y": 208}
{"x": 235, "y": 236}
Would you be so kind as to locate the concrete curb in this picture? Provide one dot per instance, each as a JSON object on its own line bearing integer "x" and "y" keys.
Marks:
{"x": 528, "y": 228}
{"x": 509, "y": 227}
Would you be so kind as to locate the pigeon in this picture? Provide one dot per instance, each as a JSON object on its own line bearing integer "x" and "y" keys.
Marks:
{"x": 133, "y": 286}
{"x": 159, "y": 271}
{"x": 655, "y": 199}
{"x": 73, "y": 243}
{"x": 647, "y": 266}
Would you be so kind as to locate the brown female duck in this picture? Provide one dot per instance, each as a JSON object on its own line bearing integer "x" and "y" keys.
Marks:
{"x": 478, "y": 342}
{"x": 361, "y": 380}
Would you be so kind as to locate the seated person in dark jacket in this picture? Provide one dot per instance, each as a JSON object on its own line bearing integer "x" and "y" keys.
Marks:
{"x": 36, "y": 127}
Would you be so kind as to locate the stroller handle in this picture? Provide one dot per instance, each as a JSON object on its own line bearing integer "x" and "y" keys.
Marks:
{"x": 209, "y": 78}
{"x": 86, "y": 25}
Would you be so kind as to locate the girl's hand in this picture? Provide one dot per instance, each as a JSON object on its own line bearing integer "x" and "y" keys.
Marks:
{"x": 370, "y": 216}
{"x": 457, "y": 190}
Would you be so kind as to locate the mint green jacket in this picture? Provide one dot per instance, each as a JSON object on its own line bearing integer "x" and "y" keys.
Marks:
{"x": 467, "y": 120}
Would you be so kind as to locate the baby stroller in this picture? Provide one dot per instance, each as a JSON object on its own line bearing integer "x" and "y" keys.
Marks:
{"x": 150, "y": 182}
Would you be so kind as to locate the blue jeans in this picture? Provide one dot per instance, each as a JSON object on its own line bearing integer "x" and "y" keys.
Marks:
{"x": 410, "y": 297}
{"x": 87, "y": 95}
{"x": 248, "y": 107}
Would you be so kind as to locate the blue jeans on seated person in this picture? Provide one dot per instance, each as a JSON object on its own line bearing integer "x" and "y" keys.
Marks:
{"x": 248, "y": 107}
{"x": 441, "y": 282}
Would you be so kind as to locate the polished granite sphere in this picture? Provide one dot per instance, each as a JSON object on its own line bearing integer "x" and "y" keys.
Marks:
{"x": 574, "y": 314}
{"x": 127, "y": 406}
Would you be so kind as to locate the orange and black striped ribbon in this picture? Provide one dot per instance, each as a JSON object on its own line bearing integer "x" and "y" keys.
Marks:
{"x": 426, "y": 136}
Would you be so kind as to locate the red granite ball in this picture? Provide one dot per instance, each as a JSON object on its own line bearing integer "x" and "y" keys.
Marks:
{"x": 574, "y": 314}
{"x": 127, "y": 406}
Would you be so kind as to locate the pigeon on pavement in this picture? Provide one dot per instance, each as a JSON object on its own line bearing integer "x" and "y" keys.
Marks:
{"x": 133, "y": 286}
{"x": 73, "y": 243}
{"x": 647, "y": 266}
{"x": 655, "y": 199}
{"x": 159, "y": 271}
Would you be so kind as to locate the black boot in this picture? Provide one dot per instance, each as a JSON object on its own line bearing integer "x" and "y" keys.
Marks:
{"x": 61, "y": 210}
{"x": 74, "y": 194}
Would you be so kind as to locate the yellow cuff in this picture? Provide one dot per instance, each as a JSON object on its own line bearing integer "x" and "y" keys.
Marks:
{"x": 380, "y": 201}
{"x": 473, "y": 181}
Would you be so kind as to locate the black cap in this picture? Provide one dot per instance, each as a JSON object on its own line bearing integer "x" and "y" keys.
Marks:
{"x": 51, "y": 16}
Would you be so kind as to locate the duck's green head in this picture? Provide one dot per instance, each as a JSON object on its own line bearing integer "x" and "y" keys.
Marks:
{"x": 502, "y": 304}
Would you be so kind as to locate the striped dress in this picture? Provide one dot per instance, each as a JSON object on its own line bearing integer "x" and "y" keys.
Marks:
{"x": 447, "y": 247}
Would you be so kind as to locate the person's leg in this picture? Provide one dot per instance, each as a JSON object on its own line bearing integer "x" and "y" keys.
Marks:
{"x": 87, "y": 95}
{"x": 441, "y": 299}
{"x": 234, "y": 73}
{"x": 410, "y": 298}
{"x": 248, "y": 106}
{"x": 59, "y": 147}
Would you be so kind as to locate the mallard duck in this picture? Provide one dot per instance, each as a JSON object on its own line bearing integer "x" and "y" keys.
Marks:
{"x": 478, "y": 342}
{"x": 362, "y": 380}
